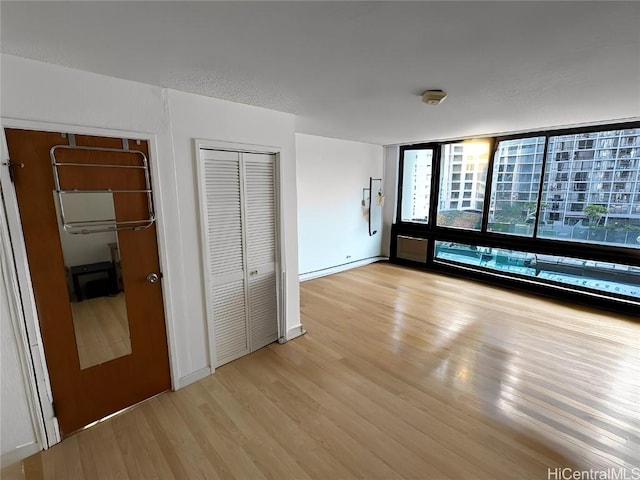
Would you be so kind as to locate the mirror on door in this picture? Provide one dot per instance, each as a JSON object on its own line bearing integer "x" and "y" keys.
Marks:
{"x": 94, "y": 279}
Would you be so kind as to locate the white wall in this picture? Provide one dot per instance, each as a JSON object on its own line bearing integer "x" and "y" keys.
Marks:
{"x": 193, "y": 116}
{"x": 332, "y": 228}
{"x": 88, "y": 103}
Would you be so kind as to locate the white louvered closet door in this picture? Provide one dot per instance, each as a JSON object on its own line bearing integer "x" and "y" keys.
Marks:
{"x": 239, "y": 216}
{"x": 225, "y": 250}
{"x": 260, "y": 227}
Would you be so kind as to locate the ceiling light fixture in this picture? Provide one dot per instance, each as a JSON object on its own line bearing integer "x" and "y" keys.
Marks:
{"x": 434, "y": 97}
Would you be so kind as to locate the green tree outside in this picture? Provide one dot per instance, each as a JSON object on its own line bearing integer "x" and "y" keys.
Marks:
{"x": 594, "y": 213}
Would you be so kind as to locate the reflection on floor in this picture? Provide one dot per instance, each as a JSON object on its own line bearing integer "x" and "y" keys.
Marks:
{"x": 102, "y": 329}
{"x": 581, "y": 281}
{"x": 402, "y": 374}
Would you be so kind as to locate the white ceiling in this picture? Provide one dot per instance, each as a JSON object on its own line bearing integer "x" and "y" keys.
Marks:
{"x": 354, "y": 70}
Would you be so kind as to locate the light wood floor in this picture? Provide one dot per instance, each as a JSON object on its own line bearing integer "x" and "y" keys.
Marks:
{"x": 102, "y": 329}
{"x": 402, "y": 374}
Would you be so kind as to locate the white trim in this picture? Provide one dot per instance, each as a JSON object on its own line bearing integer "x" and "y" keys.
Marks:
{"x": 203, "y": 224}
{"x": 163, "y": 257}
{"x": 193, "y": 377}
{"x": 303, "y": 277}
{"x": 24, "y": 277}
{"x": 9, "y": 122}
{"x": 27, "y": 326}
{"x": 234, "y": 147}
{"x": 281, "y": 287}
{"x": 281, "y": 275}
{"x": 242, "y": 177}
{"x": 282, "y": 307}
{"x": 10, "y": 284}
{"x": 294, "y": 332}
{"x": 19, "y": 453}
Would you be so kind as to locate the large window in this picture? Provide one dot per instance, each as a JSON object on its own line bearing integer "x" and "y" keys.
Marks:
{"x": 591, "y": 190}
{"x": 562, "y": 206}
{"x": 416, "y": 185}
{"x": 517, "y": 169}
{"x": 461, "y": 203}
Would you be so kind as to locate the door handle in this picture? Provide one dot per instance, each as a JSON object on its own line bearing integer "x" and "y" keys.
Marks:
{"x": 253, "y": 272}
{"x": 153, "y": 277}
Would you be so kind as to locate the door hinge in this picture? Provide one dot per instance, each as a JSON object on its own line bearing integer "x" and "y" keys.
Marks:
{"x": 11, "y": 165}
{"x": 53, "y": 407}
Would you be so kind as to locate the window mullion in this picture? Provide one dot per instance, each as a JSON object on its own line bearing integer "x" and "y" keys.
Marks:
{"x": 488, "y": 190}
{"x": 543, "y": 172}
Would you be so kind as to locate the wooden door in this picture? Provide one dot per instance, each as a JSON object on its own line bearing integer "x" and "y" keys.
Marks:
{"x": 85, "y": 393}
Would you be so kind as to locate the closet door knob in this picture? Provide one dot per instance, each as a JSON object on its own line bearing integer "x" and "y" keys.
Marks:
{"x": 153, "y": 277}
{"x": 253, "y": 272}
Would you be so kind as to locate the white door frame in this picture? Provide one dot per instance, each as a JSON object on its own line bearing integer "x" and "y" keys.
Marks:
{"x": 280, "y": 244}
{"x": 23, "y": 347}
{"x": 40, "y": 386}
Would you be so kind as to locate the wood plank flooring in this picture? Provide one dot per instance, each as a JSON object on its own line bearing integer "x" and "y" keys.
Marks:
{"x": 402, "y": 374}
{"x": 101, "y": 326}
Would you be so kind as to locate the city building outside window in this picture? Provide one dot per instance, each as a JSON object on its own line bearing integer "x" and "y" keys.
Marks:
{"x": 546, "y": 190}
{"x": 471, "y": 157}
{"x": 416, "y": 181}
{"x": 591, "y": 190}
{"x": 517, "y": 171}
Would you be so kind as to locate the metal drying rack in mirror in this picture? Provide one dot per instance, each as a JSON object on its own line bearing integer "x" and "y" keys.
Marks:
{"x": 107, "y": 225}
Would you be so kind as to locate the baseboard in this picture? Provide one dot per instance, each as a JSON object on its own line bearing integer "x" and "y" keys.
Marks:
{"x": 292, "y": 333}
{"x": 193, "y": 377}
{"x": 19, "y": 453}
{"x": 303, "y": 277}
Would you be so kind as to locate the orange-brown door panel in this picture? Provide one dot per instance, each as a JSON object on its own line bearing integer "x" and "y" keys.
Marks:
{"x": 85, "y": 394}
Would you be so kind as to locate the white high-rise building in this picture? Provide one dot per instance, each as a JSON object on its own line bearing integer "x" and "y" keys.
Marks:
{"x": 416, "y": 185}
{"x": 464, "y": 176}
{"x": 601, "y": 168}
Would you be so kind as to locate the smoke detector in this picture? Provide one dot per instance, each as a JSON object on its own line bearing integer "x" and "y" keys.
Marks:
{"x": 434, "y": 97}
